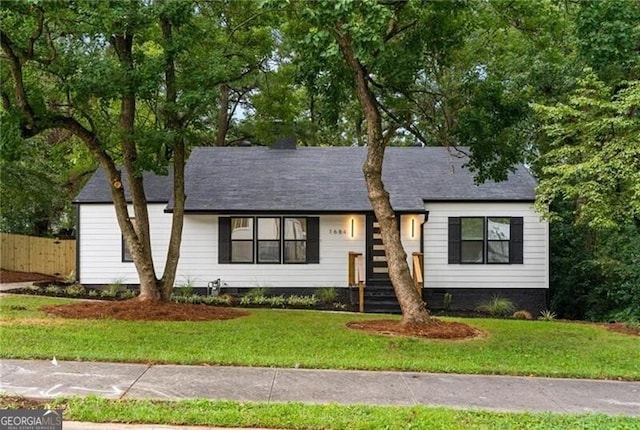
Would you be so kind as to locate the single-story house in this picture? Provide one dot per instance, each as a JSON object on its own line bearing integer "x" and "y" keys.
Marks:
{"x": 288, "y": 218}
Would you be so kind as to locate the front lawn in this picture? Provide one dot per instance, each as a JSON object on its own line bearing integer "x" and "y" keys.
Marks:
{"x": 332, "y": 416}
{"x": 311, "y": 339}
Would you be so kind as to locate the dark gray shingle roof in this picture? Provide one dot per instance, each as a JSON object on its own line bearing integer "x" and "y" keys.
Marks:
{"x": 158, "y": 189}
{"x": 319, "y": 179}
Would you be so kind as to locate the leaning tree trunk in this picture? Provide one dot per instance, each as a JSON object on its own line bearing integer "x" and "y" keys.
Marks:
{"x": 174, "y": 125}
{"x": 138, "y": 239}
{"x": 413, "y": 308}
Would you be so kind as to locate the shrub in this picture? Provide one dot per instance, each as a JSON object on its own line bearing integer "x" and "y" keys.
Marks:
{"x": 497, "y": 306}
{"x": 276, "y": 301}
{"x": 128, "y": 294}
{"x": 113, "y": 289}
{"x": 53, "y": 289}
{"x": 326, "y": 295}
{"x": 302, "y": 301}
{"x": 186, "y": 288}
{"x": 547, "y": 315}
{"x": 256, "y": 292}
{"x": 94, "y": 293}
{"x": 75, "y": 290}
{"x": 224, "y": 299}
{"x": 447, "y": 299}
{"x": 522, "y": 315}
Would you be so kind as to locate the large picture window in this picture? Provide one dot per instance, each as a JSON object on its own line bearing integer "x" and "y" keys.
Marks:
{"x": 486, "y": 240}
{"x": 269, "y": 240}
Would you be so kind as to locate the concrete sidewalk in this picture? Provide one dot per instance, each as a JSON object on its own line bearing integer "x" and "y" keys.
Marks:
{"x": 44, "y": 379}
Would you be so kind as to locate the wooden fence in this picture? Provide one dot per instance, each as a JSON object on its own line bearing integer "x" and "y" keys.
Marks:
{"x": 56, "y": 257}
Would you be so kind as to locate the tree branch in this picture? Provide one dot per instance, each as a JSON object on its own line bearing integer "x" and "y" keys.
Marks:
{"x": 16, "y": 72}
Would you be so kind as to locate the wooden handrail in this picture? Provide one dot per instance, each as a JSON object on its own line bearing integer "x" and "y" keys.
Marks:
{"x": 356, "y": 276}
{"x": 353, "y": 268}
{"x": 418, "y": 279}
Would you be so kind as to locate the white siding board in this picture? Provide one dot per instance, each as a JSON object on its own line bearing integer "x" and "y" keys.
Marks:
{"x": 100, "y": 244}
{"x": 439, "y": 274}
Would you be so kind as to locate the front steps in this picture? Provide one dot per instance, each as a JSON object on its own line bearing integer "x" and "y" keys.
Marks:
{"x": 380, "y": 299}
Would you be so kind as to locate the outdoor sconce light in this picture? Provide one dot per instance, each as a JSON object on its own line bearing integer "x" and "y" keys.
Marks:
{"x": 353, "y": 228}
{"x": 413, "y": 228}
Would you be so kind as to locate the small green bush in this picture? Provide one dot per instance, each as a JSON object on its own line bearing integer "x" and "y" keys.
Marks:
{"x": 256, "y": 292}
{"x": 185, "y": 288}
{"x": 326, "y": 295}
{"x": 547, "y": 315}
{"x": 113, "y": 289}
{"x": 447, "y": 300}
{"x": 128, "y": 294}
{"x": 276, "y": 301}
{"x": 75, "y": 290}
{"x": 224, "y": 299}
{"x": 302, "y": 301}
{"x": 53, "y": 289}
{"x": 497, "y": 306}
{"x": 94, "y": 293}
{"x": 522, "y": 315}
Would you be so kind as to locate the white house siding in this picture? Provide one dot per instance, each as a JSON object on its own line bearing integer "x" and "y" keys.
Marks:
{"x": 100, "y": 244}
{"x": 199, "y": 257}
{"x": 534, "y": 273}
{"x": 101, "y": 262}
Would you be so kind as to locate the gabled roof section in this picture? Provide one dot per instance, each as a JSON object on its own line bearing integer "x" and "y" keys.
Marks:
{"x": 330, "y": 179}
{"x": 158, "y": 189}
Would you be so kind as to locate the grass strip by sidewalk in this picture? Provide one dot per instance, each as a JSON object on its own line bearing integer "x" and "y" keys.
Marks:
{"x": 311, "y": 339}
{"x": 332, "y": 416}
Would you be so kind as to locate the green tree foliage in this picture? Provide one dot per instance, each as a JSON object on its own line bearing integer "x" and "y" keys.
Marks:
{"x": 39, "y": 179}
{"x": 135, "y": 81}
{"x": 594, "y": 154}
{"x": 608, "y": 35}
{"x": 590, "y": 189}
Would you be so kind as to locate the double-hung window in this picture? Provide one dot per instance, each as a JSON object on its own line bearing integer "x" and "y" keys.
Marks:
{"x": 268, "y": 240}
{"x": 486, "y": 240}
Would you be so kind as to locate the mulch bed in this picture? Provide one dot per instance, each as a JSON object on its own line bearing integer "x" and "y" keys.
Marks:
{"x": 435, "y": 330}
{"x": 10, "y": 277}
{"x": 136, "y": 310}
{"x": 623, "y": 328}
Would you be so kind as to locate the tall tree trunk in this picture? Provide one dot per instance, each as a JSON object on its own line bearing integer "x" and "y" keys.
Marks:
{"x": 413, "y": 308}
{"x": 173, "y": 125}
{"x": 138, "y": 240}
{"x": 223, "y": 115}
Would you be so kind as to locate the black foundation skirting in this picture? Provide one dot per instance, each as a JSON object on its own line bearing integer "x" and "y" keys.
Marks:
{"x": 533, "y": 300}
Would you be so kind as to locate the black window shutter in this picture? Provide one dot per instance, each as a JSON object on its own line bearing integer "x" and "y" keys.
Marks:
{"x": 516, "y": 254}
{"x": 454, "y": 240}
{"x": 224, "y": 240}
{"x": 313, "y": 240}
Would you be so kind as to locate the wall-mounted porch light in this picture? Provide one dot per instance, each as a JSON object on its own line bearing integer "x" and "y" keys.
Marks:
{"x": 353, "y": 228}
{"x": 413, "y": 228}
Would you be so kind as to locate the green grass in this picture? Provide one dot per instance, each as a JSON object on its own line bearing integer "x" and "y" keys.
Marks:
{"x": 332, "y": 416}
{"x": 312, "y": 339}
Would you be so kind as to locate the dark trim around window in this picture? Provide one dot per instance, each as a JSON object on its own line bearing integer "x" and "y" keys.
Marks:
{"x": 311, "y": 241}
{"x": 515, "y": 244}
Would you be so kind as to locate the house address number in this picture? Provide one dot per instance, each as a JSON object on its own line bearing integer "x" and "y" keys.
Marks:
{"x": 337, "y": 231}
